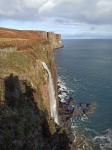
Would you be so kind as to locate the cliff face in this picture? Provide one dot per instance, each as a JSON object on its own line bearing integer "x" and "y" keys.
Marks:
{"x": 21, "y": 53}
{"x": 24, "y": 84}
{"x": 55, "y": 39}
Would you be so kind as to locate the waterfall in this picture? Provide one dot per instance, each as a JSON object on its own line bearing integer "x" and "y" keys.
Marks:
{"x": 54, "y": 112}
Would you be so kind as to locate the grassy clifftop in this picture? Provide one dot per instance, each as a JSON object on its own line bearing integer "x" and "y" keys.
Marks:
{"x": 24, "y": 39}
{"x": 18, "y": 38}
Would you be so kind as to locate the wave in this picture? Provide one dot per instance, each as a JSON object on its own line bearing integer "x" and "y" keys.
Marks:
{"x": 81, "y": 142}
{"x": 84, "y": 118}
{"x": 63, "y": 91}
{"x": 104, "y": 140}
{"x": 75, "y": 79}
{"x": 91, "y": 130}
{"x": 88, "y": 137}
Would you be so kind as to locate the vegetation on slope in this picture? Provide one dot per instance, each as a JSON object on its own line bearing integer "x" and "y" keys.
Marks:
{"x": 24, "y": 123}
{"x": 23, "y": 40}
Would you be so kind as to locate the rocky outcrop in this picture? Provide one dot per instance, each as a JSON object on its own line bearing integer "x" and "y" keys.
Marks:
{"x": 55, "y": 39}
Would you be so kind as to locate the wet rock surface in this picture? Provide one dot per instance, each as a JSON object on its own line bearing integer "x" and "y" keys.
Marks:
{"x": 65, "y": 119}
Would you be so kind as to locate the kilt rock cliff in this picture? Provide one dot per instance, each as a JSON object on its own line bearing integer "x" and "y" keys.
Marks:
{"x": 28, "y": 91}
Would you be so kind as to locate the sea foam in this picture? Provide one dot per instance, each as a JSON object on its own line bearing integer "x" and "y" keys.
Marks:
{"x": 105, "y": 140}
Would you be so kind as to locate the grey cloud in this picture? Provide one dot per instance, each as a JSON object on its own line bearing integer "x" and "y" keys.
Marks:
{"x": 17, "y": 10}
{"x": 86, "y": 11}
{"x": 80, "y": 11}
{"x": 92, "y": 28}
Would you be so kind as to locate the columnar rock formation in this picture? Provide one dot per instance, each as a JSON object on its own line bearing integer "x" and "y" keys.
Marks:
{"x": 55, "y": 39}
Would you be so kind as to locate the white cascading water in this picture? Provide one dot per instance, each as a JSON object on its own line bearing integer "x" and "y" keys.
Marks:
{"x": 54, "y": 112}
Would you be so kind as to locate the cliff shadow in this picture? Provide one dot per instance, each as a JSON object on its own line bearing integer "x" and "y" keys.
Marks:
{"x": 13, "y": 92}
{"x": 23, "y": 125}
{"x": 17, "y": 92}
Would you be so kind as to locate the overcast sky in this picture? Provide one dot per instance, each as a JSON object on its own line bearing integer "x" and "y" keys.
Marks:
{"x": 71, "y": 18}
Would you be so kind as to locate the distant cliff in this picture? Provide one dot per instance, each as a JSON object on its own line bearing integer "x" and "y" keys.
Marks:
{"x": 23, "y": 81}
{"x": 55, "y": 39}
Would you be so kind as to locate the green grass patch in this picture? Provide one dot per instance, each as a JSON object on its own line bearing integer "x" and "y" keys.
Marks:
{"x": 10, "y": 39}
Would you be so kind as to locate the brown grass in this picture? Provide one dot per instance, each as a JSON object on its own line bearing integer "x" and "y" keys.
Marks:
{"x": 21, "y": 39}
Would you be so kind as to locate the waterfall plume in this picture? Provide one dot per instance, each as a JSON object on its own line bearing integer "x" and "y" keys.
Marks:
{"x": 53, "y": 105}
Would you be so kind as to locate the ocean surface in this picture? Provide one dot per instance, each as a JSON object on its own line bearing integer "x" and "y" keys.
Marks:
{"x": 85, "y": 69}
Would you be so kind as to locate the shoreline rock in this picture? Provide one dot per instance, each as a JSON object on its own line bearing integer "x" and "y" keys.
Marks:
{"x": 66, "y": 115}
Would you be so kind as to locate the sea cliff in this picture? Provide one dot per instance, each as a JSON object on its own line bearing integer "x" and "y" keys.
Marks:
{"x": 24, "y": 94}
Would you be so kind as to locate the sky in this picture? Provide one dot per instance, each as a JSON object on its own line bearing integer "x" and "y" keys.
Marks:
{"x": 74, "y": 19}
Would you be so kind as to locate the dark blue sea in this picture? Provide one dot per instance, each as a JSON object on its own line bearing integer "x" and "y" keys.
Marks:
{"x": 85, "y": 68}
